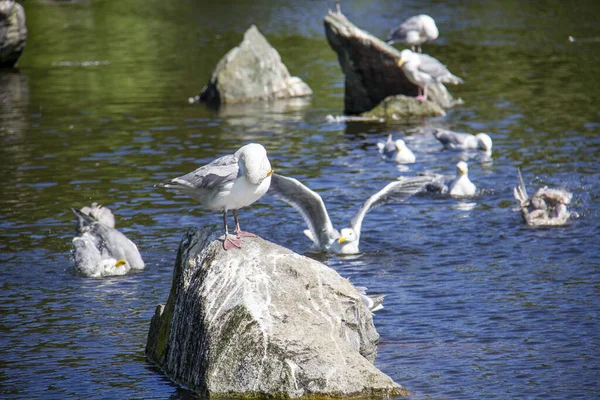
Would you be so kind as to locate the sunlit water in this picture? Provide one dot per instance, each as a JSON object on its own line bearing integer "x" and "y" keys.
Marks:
{"x": 478, "y": 305}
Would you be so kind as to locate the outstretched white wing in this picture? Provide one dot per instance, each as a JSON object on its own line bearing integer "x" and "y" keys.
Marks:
{"x": 392, "y": 192}
{"x": 310, "y": 205}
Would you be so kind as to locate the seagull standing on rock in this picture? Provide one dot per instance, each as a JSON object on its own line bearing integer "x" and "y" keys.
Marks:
{"x": 321, "y": 231}
{"x": 424, "y": 70}
{"x": 396, "y": 150}
{"x": 414, "y": 31}
{"x": 228, "y": 183}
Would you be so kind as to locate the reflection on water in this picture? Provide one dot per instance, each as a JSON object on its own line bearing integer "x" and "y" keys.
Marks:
{"x": 478, "y": 305}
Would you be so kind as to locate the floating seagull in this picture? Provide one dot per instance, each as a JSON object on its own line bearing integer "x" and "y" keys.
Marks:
{"x": 424, "y": 70}
{"x": 396, "y": 151}
{"x": 321, "y": 231}
{"x": 101, "y": 250}
{"x": 460, "y": 186}
{"x": 373, "y": 302}
{"x": 463, "y": 141}
{"x": 228, "y": 183}
{"x": 414, "y": 31}
{"x": 545, "y": 208}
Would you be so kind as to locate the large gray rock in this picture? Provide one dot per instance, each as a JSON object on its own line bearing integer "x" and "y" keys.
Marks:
{"x": 371, "y": 69}
{"x": 252, "y": 71}
{"x": 263, "y": 321}
{"x": 13, "y": 32}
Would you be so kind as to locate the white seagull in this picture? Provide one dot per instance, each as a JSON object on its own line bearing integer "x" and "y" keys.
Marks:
{"x": 460, "y": 186}
{"x": 101, "y": 250}
{"x": 322, "y": 233}
{"x": 228, "y": 183}
{"x": 545, "y": 208}
{"x": 396, "y": 150}
{"x": 414, "y": 31}
{"x": 424, "y": 70}
{"x": 463, "y": 141}
{"x": 373, "y": 302}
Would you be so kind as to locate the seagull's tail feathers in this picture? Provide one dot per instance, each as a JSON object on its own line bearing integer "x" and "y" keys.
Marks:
{"x": 520, "y": 192}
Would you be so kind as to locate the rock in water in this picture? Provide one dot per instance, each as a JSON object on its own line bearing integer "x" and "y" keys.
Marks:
{"x": 13, "y": 32}
{"x": 252, "y": 71}
{"x": 263, "y": 321}
{"x": 372, "y": 72}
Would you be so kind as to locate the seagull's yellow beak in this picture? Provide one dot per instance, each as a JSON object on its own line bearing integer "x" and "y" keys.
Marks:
{"x": 462, "y": 171}
{"x": 270, "y": 172}
{"x": 398, "y": 148}
{"x": 341, "y": 239}
{"x": 421, "y": 35}
{"x": 400, "y": 62}
{"x": 120, "y": 262}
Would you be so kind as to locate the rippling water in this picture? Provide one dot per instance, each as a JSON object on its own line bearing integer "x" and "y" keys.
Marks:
{"x": 478, "y": 305}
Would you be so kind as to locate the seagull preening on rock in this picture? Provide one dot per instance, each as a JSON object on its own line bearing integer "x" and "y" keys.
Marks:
{"x": 228, "y": 183}
{"x": 414, "y": 31}
{"x": 460, "y": 186}
{"x": 321, "y": 231}
{"x": 396, "y": 150}
{"x": 463, "y": 141}
{"x": 546, "y": 207}
{"x": 98, "y": 248}
{"x": 424, "y": 70}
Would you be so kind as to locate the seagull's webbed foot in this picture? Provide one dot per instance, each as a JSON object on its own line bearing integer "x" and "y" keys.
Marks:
{"x": 231, "y": 243}
{"x": 420, "y": 99}
{"x": 242, "y": 234}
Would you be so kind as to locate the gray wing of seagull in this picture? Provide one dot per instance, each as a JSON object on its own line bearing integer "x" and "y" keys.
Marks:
{"x": 218, "y": 172}
{"x": 395, "y": 191}
{"x": 449, "y": 138}
{"x": 309, "y": 204}
{"x": 399, "y": 32}
{"x": 520, "y": 191}
{"x": 437, "y": 70}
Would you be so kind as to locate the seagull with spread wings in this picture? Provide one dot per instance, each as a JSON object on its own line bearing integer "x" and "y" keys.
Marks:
{"x": 321, "y": 231}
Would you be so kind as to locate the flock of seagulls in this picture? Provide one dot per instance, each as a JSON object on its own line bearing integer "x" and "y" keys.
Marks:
{"x": 238, "y": 180}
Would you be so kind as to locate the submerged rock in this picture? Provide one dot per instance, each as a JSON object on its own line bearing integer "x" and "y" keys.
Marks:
{"x": 403, "y": 107}
{"x": 13, "y": 32}
{"x": 252, "y": 71}
{"x": 263, "y": 321}
{"x": 372, "y": 73}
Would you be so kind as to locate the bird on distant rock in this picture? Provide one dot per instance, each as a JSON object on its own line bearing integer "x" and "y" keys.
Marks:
{"x": 101, "y": 250}
{"x": 228, "y": 183}
{"x": 414, "y": 31}
{"x": 459, "y": 186}
{"x": 546, "y": 207}
{"x": 463, "y": 141}
{"x": 321, "y": 231}
{"x": 424, "y": 70}
{"x": 396, "y": 150}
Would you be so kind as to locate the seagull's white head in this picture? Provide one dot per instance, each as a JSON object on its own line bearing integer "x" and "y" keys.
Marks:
{"x": 111, "y": 267}
{"x": 430, "y": 28}
{"x": 484, "y": 141}
{"x": 254, "y": 162}
{"x": 400, "y": 145}
{"x": 462, "y": 169}
{"x": 347, "y": 235}
{"x": 408, "y": 57}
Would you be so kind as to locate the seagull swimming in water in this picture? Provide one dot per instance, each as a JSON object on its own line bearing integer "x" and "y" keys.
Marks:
{"x": 545, "y": 208}
{"x": 463, "y": 141}
{"x": 396, "y": 150}
{"x": 414, "y": 31}
{"x": 460, "y": 186}
{"x": 98, "y": 248}
{"x": 322, "y": 233}
{"x": 424, "y": 70}
{"x": 228, "y": 183}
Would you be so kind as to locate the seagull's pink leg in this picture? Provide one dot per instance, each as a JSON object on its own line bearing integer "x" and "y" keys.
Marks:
{"x": 422, "y": 97}
{"x": 240, "y": 233}
{"x": 229, "y": 242}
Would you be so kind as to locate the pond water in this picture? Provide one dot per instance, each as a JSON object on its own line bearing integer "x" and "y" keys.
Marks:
{"x": 478, "y": 305}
